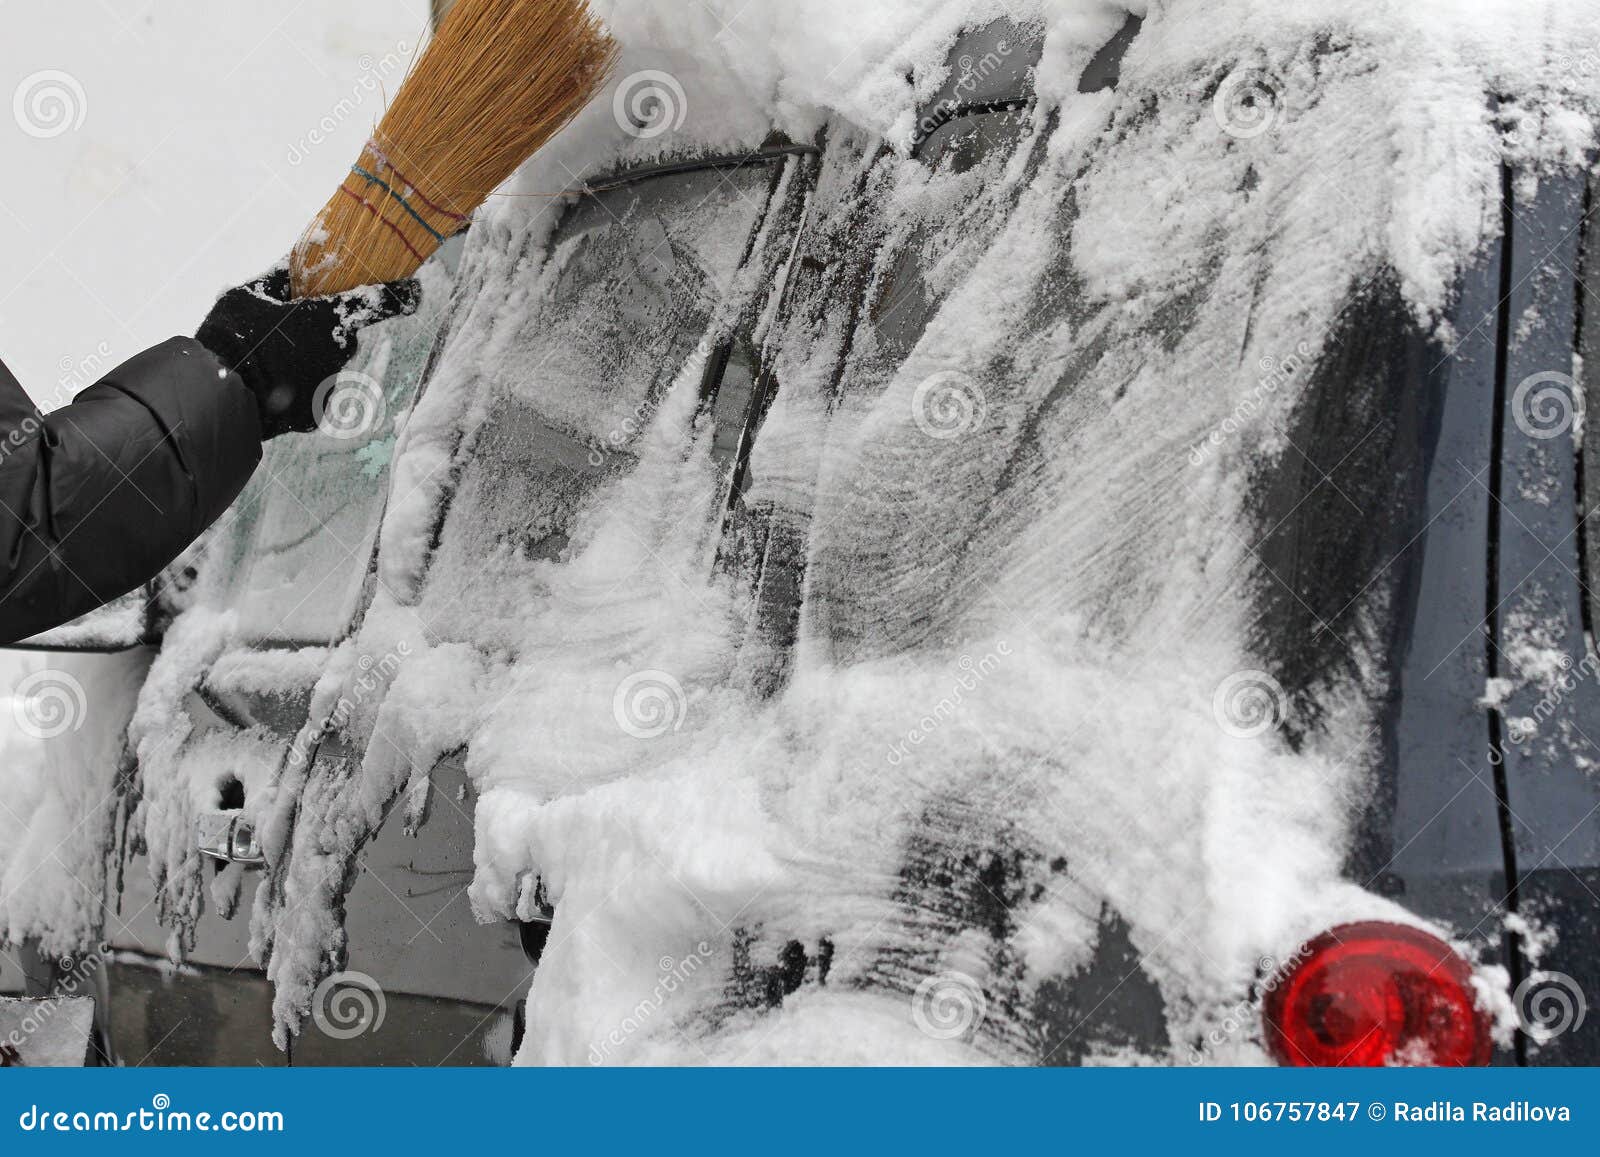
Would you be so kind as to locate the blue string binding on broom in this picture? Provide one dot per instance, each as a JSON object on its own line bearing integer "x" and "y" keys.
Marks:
{"x": 374, "y": 179}
{"x": 381, "y": 156}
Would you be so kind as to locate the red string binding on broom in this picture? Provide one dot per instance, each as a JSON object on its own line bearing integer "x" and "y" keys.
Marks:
{"x": 396, "y": 229}
{"x": 383, "y": 159}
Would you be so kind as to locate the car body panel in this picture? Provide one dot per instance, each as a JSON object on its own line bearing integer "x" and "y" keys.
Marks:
{"x": 1550, "y": 721}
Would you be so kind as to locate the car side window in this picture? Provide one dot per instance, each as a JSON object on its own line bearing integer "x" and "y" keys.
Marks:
{"x": 291, "y": 557}
{"x": 631, "y": 283}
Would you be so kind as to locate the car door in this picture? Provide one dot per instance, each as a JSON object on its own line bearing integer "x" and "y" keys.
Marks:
{"x": 645, "y": 274}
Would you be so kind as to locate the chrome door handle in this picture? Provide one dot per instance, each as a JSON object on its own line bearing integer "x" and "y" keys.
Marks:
{"x": 229, "y": 837}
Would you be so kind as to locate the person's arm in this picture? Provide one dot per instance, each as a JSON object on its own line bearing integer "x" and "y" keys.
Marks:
{"x": 98, "y": 496}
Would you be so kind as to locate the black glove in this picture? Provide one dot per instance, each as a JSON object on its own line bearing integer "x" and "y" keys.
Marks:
{"x": 285, "y": 349}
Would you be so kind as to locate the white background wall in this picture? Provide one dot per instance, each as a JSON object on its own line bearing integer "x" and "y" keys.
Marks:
{"x": 121, "y": 227}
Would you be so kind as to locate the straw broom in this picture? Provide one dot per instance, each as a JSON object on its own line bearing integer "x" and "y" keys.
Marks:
{"x": 498, "y": 80}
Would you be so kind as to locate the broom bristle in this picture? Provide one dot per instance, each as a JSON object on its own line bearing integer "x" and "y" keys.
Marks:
{"x": 498, "y": 80}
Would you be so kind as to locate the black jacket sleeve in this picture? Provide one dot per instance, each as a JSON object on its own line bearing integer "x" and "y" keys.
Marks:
{"x": 98, "y": 496}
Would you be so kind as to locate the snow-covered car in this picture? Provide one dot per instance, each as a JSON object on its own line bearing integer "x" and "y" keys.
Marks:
{"x": 1105, "y": 581}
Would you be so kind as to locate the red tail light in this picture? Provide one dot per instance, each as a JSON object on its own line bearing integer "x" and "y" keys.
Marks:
{"x": 1375, "y": 994}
